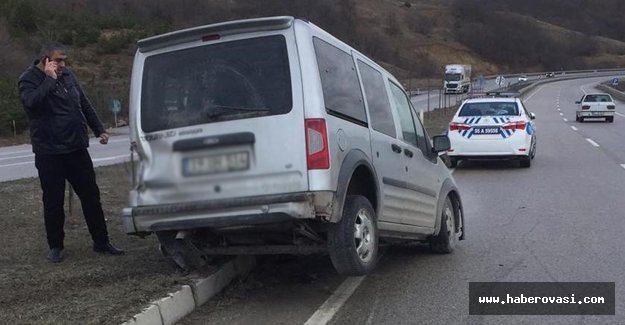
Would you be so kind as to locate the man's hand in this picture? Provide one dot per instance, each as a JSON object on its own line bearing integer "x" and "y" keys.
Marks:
{"x": 104, "y": 138}
{"x": 49, "y": 67}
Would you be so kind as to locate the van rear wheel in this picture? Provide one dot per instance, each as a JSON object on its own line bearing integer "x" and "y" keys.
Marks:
{"x": 353, "y": 241}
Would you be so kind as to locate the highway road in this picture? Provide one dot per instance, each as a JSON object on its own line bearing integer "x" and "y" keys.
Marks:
{"x": 560, "y": 220}
{"x": 19, "y": 161}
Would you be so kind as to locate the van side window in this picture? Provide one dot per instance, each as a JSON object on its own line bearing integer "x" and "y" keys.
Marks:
{"x": 339, "y": 81}
{"x": 377, "y": 100}
{"x": 407, "y": 124}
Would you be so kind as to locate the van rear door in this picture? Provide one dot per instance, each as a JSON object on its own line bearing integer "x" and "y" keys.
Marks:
{"x": 222, "y": 118}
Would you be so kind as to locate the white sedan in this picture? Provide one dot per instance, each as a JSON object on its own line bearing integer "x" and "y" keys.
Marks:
{"x": 595, "y": 106}
{"x": 492, "y": 128}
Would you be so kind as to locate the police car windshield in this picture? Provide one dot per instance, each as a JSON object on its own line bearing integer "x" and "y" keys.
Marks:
{"x": 489, "y": 108}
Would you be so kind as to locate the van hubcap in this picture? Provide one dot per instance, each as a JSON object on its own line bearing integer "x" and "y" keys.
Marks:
{"x": 363, "y": 235}
{"x": 449, "y": 223}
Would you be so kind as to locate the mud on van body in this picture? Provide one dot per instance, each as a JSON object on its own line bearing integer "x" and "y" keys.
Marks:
{"x": 269, "y": 136}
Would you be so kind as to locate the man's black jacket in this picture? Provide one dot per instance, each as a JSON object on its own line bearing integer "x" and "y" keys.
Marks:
{"x": 58, "y": 110}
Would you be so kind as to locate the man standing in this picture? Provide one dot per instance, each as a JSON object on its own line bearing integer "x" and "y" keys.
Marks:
{"x": 59, "y": 113}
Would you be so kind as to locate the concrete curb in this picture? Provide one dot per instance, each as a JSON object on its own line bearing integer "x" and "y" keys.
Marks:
{"x": 614, "y": 92}
{"x": 175, "y": 306}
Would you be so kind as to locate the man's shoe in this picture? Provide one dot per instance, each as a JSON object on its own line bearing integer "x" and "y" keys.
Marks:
{"x": 108, "y": 249}
{"x": 55, "y": 255}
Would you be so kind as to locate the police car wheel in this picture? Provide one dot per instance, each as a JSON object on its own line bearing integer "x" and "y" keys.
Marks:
{"x": 609, "y": 119}
{"x": 353, "y": 241}
{"x": 576, "y": 118}
{"x": 525, "y": 162}
{"x": 581, "y": 119}
{"x": 453, "y": 162}
{"x": 445, "y": 241}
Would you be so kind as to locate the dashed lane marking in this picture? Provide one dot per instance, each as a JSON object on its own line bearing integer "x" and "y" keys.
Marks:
{"x": 574, "y": 128}
{"x": 592, "y": 142}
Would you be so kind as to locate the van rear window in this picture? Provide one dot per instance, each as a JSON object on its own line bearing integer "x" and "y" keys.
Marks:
{"x": 216, "y": 82}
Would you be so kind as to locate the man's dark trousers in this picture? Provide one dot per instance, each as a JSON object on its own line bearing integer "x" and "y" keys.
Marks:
{"x": 77, "y": 168}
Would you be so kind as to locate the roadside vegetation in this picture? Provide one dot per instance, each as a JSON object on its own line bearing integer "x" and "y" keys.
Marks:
{"x": 413, "y": 39}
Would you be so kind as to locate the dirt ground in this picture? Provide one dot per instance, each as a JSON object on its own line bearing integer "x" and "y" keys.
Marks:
{"x": 86, "y": 288}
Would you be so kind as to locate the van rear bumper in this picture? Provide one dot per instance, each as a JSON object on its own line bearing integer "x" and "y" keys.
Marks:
{"x": 224, "y": 213}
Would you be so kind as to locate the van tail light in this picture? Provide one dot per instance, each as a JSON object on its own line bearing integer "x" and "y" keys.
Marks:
{"x": 453, "y": 126}
{"x": 611, "y": 106}
{"x": 585, "y": 106}
{"x": 317, "y": 152}
{"x": 519, "y": 125}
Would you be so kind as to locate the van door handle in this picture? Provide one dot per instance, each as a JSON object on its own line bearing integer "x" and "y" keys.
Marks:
{"x": 396, "y": 148}
{"x": 408, "y": 153}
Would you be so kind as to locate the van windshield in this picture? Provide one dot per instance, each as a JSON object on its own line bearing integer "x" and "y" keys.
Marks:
{"x": 225, "y": 81}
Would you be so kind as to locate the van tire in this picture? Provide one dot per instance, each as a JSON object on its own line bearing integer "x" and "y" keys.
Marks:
{"x": 445, "y": 241}
{"x": 609, "y": 119}
{"x": 343, "y": 244}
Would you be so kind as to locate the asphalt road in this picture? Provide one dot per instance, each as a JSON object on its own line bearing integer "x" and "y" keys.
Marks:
{"x": 560, "y": 220}
{"x": 19, "y": 161}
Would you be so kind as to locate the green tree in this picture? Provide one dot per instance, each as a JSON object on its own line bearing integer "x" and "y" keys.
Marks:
{"x": 11, "y": 109}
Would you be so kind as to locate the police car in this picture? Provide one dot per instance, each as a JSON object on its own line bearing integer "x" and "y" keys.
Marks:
{"x": 496, "y": 126}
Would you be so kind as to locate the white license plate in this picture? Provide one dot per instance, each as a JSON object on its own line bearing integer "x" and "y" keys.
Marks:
{"x": 485, "y": 130}
{"x": 597, "y": 113}
{"x": 232, "y": 162}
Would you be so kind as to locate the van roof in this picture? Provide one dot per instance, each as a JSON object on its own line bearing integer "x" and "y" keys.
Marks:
{"x": 225, "y": 28}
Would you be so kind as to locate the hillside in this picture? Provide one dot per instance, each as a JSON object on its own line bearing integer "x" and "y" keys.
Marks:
{"x": 412, "y": 38}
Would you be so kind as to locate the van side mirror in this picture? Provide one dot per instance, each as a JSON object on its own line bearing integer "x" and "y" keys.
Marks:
{"x": 578, "y": 102}
{"x": 532, "y": 116}
{"x": 440, "y": 143}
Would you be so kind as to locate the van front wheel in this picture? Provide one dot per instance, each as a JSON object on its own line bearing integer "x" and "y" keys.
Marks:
{"x": 445, "y": 241}
{"x": 353, "y": 241}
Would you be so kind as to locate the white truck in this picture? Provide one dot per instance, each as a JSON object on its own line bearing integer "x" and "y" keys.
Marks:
{"x": 457, "y": 78}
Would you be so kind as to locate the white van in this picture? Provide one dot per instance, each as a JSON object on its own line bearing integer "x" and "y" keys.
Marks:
{"x": 268, "y": 136}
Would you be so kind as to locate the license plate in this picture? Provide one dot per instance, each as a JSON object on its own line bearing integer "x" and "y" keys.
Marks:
{"x": 486, "y": 130}
{"x": 597, "y": 113}
{"x": 232, "y": 162}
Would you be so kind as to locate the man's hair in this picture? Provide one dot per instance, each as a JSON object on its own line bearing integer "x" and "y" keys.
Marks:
{"x": 50, "y": 47}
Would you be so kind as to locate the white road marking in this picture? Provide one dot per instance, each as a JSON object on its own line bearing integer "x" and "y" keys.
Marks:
{"x": 14, "y": 152}
{"x": 561, "y": 114}
{"x": 18, "y": 164}
{"x": 111, "y": 158}
{"x": 592, "y": 142}
{"x": 619, "y": 114}
{"x": 565, "y": 120}
{"x": 535, "y": 92}
{"x": 16, "y": 157}
{"x": 329, "y": 308}
{"x": 574, "y": 128}
{"x": 558, "y": 109}
{"x": 623, "y": 165}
